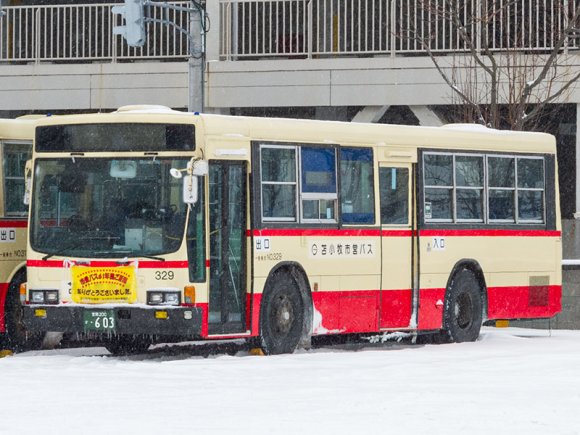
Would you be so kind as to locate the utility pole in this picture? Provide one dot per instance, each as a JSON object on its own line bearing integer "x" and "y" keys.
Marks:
{"x": 196, "y": 58}
{"x": 135, "y": 16}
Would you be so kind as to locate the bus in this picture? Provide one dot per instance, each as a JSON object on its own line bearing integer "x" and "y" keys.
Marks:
{"x": 16, "y": 136}
{"x": 148, "y": 225}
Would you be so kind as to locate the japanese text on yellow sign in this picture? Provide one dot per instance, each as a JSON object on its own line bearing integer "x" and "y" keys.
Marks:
{"x": 93, "y": 285}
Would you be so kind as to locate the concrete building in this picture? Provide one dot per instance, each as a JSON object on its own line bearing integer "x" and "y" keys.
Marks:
{"x": 327, "y": 59}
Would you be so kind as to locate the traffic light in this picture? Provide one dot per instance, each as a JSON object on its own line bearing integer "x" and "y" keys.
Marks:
{"x": 134, "y": 29}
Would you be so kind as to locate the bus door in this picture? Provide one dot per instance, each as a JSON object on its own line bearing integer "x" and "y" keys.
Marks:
{"x": 227, "y": 225}
{"x": 396, "y": 244}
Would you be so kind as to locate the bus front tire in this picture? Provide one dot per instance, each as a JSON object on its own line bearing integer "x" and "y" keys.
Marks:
{"x": 17, "y": 338}
{"x": 282, "y": 316}
{"x": 463, "y": 309}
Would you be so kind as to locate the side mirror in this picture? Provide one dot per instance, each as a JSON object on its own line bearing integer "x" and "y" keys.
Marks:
{"x": 190, "y": 186}
{"x": 27, "y": 182}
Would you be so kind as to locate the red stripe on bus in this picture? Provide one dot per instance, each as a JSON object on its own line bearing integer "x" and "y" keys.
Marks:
{"x": 329, "y": 233}
{"x": 402, "y": 233}
{"x": 490, "y": 233}
{"x": 93, "y": 263}
{"x": 13, "y": 224}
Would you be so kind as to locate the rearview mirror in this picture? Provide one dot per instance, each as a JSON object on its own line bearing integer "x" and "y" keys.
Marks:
{"x": 27, "y": 182}
{"x": 124, "y": 169}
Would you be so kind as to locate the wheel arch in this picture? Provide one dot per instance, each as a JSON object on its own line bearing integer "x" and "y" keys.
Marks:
{"x": 474, "y": 267}
{"x": 298, "y": 274}
{"x": 18, "y": 271}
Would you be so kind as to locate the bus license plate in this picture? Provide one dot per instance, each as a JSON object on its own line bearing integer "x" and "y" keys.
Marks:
{"x": 99, "y": 320}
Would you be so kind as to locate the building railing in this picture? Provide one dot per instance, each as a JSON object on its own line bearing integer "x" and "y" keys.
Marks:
{"x": 258, "y": 29}
{"x": 319, "y": 28}
{"x": 71, "y": 33}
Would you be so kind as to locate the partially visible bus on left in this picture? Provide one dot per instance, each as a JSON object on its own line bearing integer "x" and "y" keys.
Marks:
{"x": 16, "y": 137}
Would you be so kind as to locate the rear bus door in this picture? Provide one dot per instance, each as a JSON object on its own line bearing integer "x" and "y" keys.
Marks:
{"x": 397, "y": 240}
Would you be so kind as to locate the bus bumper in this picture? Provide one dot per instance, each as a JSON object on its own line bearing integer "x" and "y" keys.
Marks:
{"x": 163, "y": 321}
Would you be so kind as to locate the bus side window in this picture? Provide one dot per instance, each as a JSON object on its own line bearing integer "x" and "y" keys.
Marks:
{"x": 357, "y": 198}
{"x": 394, "y": 188}
{"x": 15, "y": 157}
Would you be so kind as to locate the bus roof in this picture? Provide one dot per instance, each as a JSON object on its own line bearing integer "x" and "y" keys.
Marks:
{"x": 17, "y": 129}
{"x": 447, "y": 137}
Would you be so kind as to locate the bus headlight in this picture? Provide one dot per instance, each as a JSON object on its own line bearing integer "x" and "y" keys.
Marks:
{"x": 172, "y": 298}
{"x": 156, "y": 297}
{"x": 44, "y": 296}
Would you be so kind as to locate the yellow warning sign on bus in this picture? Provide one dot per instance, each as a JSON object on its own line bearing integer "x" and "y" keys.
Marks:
{"x": 98, "y": 285}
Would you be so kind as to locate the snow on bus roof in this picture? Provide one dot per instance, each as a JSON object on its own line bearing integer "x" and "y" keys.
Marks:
{"x": 478, "y": 128}
{"x": 147, "y": 108}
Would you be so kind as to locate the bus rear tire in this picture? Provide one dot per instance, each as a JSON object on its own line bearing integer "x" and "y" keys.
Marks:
{"x": 17, "y": 337}
{"x": 463, "y": 309}
{"x": 282, "y": 316}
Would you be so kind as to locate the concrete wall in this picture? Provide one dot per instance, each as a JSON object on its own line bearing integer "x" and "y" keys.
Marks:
{"x": 92, "y": 86}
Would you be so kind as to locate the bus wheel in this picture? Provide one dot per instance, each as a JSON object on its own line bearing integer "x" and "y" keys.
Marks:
{"x": 463, "y": 309}
{"x": 127, "y": 345}
{"x": 17, "y": 337}
{"x": 282, "y": 316}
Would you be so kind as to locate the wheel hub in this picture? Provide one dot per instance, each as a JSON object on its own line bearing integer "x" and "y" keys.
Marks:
{"x": 463, "y": 310}
{"x": 284, "y": 315}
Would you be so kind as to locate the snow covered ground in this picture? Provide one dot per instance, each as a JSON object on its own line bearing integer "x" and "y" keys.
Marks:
{"x": 512, "y": 381}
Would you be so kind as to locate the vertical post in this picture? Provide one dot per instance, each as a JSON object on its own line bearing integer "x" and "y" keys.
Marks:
{"x": 37, "y": 38}
{"x": 393, "y": 30}
{"x": 196, "y": 58}
{"x": 565, "y": 24}
{"x": 217, "y": 48}
{"x": 478, "y": 29}
{"x": 309, "y": 35}
{"x": 577, "y": 213}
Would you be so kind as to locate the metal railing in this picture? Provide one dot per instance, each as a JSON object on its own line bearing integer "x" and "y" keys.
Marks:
{"x": 257, "y": 29}
{"x": 318, "y": 28}
{"x": 71, "y": 33}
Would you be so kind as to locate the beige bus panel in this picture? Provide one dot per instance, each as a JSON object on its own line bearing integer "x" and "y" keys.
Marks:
{"x": 505, "y": 261}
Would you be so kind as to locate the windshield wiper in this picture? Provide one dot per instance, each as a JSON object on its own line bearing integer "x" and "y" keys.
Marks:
{"x": 152, "y": 257}
{"x": 127, "y": 261}
{"x": 77, "y": 243}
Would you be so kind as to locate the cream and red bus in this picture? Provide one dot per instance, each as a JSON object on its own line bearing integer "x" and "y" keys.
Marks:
{"x": 16, "y": 137}
{"x": 148, "y": 224}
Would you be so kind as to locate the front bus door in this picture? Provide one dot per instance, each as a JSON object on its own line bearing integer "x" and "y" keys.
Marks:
{"x": 397, "y": 241}
{"x": 227, "y": 224}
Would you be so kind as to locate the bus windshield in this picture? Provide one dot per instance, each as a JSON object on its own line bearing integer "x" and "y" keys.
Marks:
{"x": 107, "y": 208}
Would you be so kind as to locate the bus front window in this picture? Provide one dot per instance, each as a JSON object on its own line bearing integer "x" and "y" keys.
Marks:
{"x": 104, "y": 208}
